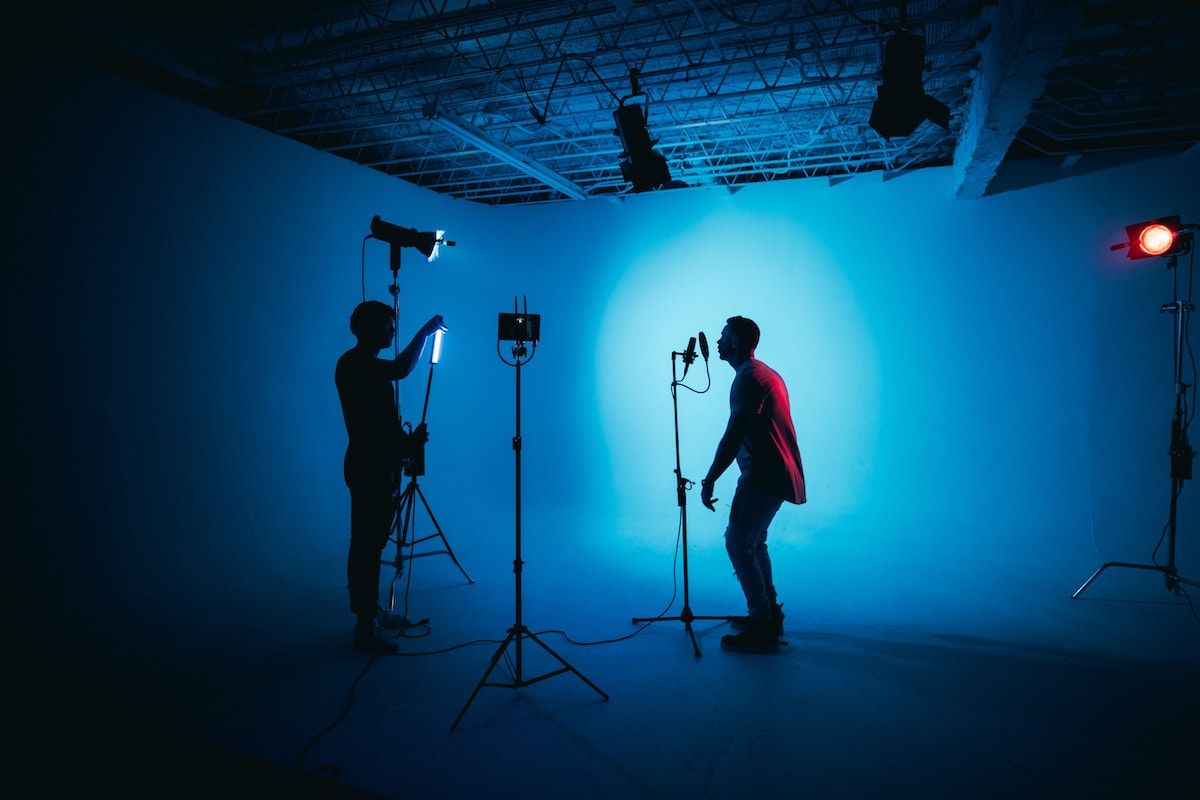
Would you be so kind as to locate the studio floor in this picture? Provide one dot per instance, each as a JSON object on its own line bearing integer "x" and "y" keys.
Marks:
{"x": 908, "y": 689}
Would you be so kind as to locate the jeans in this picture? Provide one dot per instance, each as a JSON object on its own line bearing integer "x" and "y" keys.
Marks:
{"x": 372, "y": 509}
{"x": 752, "y": 510}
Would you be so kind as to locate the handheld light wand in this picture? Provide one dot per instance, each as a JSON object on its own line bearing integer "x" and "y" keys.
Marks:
{"x": 434, "y": 357}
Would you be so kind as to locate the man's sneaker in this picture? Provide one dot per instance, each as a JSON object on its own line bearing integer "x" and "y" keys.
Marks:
{"x": 391, "y": 621}
{"x": 374, "y": 639}
{"x": 743, "y": 623}
{"x": 758, "y": 637}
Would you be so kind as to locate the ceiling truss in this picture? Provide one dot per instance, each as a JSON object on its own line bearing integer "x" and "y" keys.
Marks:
{"x": 737, "y": 91}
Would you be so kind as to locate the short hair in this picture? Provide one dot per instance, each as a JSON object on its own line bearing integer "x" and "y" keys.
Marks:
{"x": 746, "y": 331}
{"x": 367, "y": 315}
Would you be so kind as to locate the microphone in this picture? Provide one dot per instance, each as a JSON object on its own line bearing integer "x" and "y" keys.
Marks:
{"x": 689, "y": 355}
{"x": 703, "y": 345}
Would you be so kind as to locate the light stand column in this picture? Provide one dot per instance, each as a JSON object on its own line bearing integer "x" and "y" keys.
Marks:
{"x": 403, "y": 527}
{"x": 518, "y": 632}
{"x": 1180, "y": 450}
{"x": 403, "y": 521}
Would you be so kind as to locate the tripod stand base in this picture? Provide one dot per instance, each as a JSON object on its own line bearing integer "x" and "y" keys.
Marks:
{"x": 1170, "y": 576}
{"x": 516, "y": 634}
{"x": 686, "y": 617}
{"x": 405, "y": 508}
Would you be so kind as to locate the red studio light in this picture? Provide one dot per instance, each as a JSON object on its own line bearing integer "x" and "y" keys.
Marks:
{"x": 1155, "y": 237}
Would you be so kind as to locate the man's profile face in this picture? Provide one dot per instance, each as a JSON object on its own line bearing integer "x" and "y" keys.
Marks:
{"x": 727, "y": 344}
{"x": 383, "y": 331}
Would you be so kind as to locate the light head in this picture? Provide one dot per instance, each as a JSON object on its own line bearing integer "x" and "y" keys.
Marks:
{"x": 424, "y": 242}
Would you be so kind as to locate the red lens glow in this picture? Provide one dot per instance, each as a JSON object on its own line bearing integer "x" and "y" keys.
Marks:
{"x": 1156, "y": 239}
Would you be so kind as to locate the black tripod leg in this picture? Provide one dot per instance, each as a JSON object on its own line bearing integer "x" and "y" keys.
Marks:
{"x": 409, "y": 505}
{"x": 1103, "y": 567}
{"x": 438, "y": 528}
{"x": 695, "y": 644}
{"x": 399, "y": 529}
{"x": 495, "y": 660}
{"x": 563, "y": 661}
{"x": 1088, "y": 582}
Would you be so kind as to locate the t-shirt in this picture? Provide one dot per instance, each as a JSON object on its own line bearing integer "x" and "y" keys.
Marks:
{"x": 769, "y": 456}
{"x": 364, "y": 384}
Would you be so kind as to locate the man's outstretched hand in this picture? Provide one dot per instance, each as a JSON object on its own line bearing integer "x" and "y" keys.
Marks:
{"x": 706, "y": 490}
{"x": 435, "y": 324}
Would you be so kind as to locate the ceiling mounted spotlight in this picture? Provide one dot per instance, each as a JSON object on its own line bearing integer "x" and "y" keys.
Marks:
{"x": 902, "y": 104}
{"x": 1165, "y": 236}
{"x": 641, "y": 164}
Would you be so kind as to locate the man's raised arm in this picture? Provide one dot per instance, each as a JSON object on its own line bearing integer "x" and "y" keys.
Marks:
{"x": 406, "y": 362}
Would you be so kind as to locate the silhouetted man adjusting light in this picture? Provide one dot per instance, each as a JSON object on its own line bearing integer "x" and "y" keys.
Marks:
{"x": 374, "y": 458}
{"x": 761, "y": 436}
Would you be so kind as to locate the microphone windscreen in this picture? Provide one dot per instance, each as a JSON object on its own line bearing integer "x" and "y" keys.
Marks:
{"x": 703, "y": 345}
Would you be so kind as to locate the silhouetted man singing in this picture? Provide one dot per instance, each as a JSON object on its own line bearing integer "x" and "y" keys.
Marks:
{"x": 373, "y": 458}
{"x": 761, "y": 436}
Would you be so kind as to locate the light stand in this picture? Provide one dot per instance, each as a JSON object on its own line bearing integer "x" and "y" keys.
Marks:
{"x": 413, "y": 468}
{"x": 1181, "y": 451}
{"x": 402, "y": 526}
{"x": 519, "y": 328}
{"x": 682, "y": 484}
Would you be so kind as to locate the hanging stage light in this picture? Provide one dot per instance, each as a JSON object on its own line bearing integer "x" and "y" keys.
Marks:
{"x": 1165, "y": 236}
{"x": 641, "y": 164}
{"x": 902, "y": 104}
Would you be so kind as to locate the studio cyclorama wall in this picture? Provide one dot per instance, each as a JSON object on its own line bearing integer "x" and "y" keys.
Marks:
{"x": 982, "y": 392}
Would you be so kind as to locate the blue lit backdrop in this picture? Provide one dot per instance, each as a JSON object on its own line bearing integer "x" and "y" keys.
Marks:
{"x": 981, "y": 391}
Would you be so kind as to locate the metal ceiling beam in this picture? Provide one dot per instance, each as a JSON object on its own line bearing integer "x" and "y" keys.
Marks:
{"x": 1025, "y": 42}
{"x": 349, "y": 124}
{"x": 507, "y": 154}
{"x": 431, "y": 64}
{"x": 471, "y": 26}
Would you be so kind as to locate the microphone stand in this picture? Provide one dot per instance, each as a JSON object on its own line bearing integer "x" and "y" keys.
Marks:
{"x": 682, "y": 485}
{"x": 1181, "y": 451}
